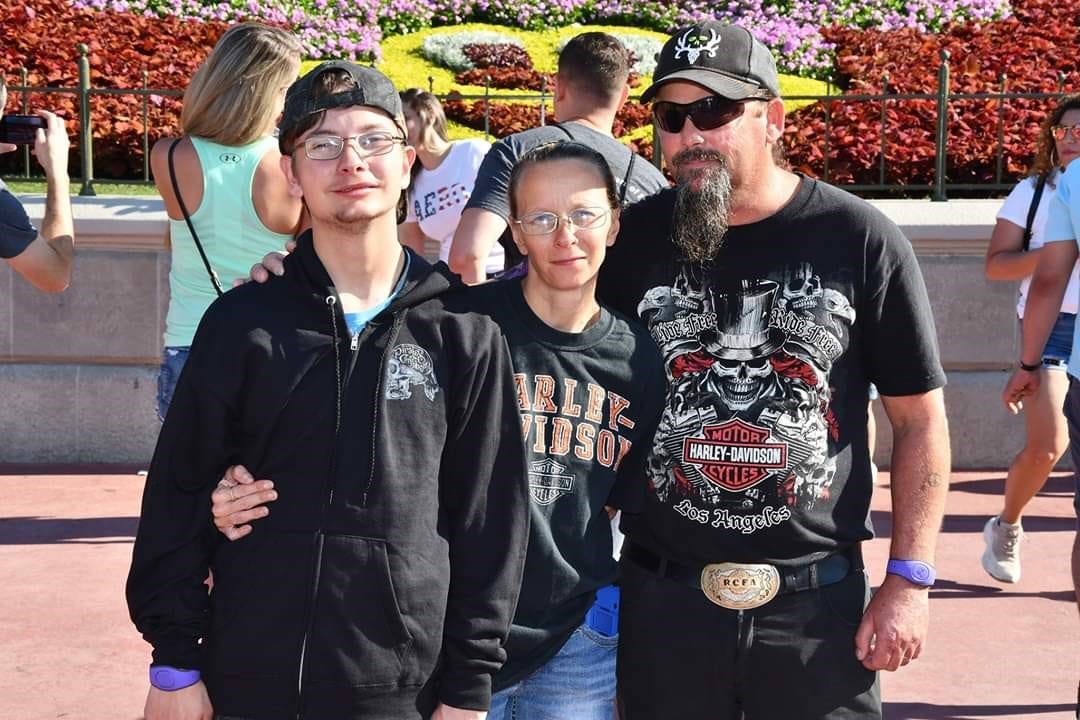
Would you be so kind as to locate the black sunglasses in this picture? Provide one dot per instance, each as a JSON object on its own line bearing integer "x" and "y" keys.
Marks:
{"x": 707, "y": 113}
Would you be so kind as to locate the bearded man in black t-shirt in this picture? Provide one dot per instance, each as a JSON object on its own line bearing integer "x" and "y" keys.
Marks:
{"x": 775, "y": 301}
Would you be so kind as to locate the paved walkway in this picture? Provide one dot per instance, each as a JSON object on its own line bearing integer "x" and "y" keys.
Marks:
{"x": 68, "y": 650}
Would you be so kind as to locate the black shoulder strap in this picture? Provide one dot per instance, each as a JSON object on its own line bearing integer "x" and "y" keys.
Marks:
{"x": 626, "y": 179}
{"x": 1032, "y": 209}
{"x": 563, "y": 128}
{"x": 187, "y": 218}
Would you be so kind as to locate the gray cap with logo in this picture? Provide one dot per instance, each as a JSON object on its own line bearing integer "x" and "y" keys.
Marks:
{"x": 725, "y": 59}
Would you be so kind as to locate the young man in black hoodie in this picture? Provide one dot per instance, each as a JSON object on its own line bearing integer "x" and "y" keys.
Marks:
{"x": 590, "y": 389}
{"x": 384, "y": 584}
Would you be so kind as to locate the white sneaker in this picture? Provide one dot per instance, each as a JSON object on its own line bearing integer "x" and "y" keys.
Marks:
{"x": 1002, "y": 555}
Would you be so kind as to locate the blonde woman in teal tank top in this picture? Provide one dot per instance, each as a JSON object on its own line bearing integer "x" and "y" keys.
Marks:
{"x": 227, "y": 168}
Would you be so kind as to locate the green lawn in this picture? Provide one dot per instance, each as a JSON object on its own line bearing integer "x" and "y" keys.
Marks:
{"x": 31, "y": 187}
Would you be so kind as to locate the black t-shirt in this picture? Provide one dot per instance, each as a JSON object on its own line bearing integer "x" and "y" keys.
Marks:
{"x": 589, "y": 404}
{"x": 761, "y": 453}
{"x": 16, "y": 231}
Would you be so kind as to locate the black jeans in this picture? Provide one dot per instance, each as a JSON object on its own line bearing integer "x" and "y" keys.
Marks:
{"x": 684, "y": 658}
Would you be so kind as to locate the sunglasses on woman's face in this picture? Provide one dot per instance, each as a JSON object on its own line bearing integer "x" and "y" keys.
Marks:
{"x": 708, "y": 113}
{"x": 1060, "y": 131}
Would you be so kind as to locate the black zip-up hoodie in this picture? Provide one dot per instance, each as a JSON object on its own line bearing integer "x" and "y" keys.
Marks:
{"x": 385, "y": 577}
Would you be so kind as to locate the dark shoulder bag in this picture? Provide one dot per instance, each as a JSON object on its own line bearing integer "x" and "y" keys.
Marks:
{"x": 1032, "y": 209}
{"x": 187, "y": 218}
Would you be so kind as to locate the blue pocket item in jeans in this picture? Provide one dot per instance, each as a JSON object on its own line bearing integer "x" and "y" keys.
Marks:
{"x": 603, "y": 616}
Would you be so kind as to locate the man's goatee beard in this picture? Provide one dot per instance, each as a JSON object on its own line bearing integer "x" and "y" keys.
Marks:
{"x": 702, "y": 206}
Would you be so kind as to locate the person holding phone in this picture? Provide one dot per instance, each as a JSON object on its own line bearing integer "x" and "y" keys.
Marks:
{"x": 44, "y": 257}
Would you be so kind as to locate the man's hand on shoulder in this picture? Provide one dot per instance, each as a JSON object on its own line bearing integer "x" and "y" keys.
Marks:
{"x": 190, "y": 703}
{"x": 272, "y": 264}
{"x": 239, "y": 499}
{"x": 445, "y": 712}
{"x": 893, "y": 629}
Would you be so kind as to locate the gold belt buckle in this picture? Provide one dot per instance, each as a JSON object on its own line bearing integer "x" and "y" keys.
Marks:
{"x": 740, "y": 586}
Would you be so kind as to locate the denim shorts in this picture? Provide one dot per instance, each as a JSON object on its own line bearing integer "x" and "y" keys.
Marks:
{"x": 578, "y": 683}
{"x": 1059, "y": 346}
{"x": 172, "y": 362}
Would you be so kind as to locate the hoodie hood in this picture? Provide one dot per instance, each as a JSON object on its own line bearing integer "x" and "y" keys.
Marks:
{"x": 423, "y": 280}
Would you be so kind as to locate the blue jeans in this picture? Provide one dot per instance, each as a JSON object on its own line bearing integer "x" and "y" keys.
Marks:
{"x": 577, "y": 684}
{"x": 172, "y": 362}
{"x": 1059, "y": 344}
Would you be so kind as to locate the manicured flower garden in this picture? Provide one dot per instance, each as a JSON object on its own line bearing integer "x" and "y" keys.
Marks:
{"x": 861, "y": 47}
{"x": 355, "y": 28}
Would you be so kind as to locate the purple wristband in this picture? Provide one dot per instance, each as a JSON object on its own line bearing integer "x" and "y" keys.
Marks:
{"x": 165, "y": 677}
{"x": 915, "y": 571}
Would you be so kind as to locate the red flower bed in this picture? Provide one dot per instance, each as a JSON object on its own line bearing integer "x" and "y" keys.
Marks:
{"x": 43, "y": 36}
{"x": 508, "y": 118}
{"x": 497, "y": 55}
{"x": 515, "y": 78}
{"x": 1033, "y": 47}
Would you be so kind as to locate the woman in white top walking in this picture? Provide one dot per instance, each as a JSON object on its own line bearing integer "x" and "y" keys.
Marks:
{"x": 442, "y": 180}
{"x": 1014, "y": 251}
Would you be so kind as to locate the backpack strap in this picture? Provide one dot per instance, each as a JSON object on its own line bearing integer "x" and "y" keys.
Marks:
{"x": 626, "y": 178}
{"x": 187, "y": 218}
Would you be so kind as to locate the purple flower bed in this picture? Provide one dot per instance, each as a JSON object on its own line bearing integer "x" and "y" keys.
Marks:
{"x": 354, "y": 28}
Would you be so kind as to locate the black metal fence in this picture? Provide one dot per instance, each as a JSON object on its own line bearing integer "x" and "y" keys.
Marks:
{"x": 938, "y": 189}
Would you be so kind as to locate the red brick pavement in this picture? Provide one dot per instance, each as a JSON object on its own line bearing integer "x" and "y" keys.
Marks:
{"x": 68, "y": 650}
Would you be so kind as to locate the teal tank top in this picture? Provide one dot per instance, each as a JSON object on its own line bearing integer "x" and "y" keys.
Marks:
{"x": 230, "y": 231}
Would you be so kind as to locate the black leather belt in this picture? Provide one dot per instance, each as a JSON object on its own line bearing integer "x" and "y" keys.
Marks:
{"x": 828, "y": 570}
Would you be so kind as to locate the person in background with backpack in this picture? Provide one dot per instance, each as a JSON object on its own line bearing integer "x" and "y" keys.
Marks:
{"x": 226, "y": 197}
{"x": 1016, "y": 246}
{"x": 591, "y": 86}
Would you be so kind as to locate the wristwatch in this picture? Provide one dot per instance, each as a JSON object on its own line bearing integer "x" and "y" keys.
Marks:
{"x": 1029, "y": 368}
{"x": 915, "y": 571}
{"x": 166, "y": 677}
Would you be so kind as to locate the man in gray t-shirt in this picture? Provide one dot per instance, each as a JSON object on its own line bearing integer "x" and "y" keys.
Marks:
{"x": 590, "y": 87}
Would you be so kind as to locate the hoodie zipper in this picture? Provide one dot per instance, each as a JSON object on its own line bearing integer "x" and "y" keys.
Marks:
{"x": 340, "y": 384}
{"x": 331, "y": 304}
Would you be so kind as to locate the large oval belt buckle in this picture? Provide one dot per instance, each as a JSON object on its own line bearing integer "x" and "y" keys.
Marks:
{"x": 740, "y": 586}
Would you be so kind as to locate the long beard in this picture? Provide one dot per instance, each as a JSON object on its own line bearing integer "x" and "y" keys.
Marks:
{"x": 702, "y": 205}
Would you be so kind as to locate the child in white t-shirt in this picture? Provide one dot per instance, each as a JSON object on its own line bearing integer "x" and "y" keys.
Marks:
{"x": 443, "y": 178}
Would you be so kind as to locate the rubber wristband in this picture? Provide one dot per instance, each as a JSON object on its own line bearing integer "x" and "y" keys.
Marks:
{"x": 165, "y": 677}
{"x": 1030, "y": 368}
{"x": 915, "y": 571}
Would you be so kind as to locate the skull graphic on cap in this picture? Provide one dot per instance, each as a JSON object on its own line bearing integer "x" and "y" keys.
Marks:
{"x": 694, "y": 47}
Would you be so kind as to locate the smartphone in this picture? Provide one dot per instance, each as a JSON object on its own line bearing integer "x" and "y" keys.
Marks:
{"x": 20, "y": 129}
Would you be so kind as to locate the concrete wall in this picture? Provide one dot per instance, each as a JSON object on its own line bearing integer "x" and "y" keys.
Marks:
{"x": 77, "y": 370}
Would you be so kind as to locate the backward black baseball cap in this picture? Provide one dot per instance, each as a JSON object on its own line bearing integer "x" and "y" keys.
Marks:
{"x": 726, "y": 59}
{"x": 373, "y": 90}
